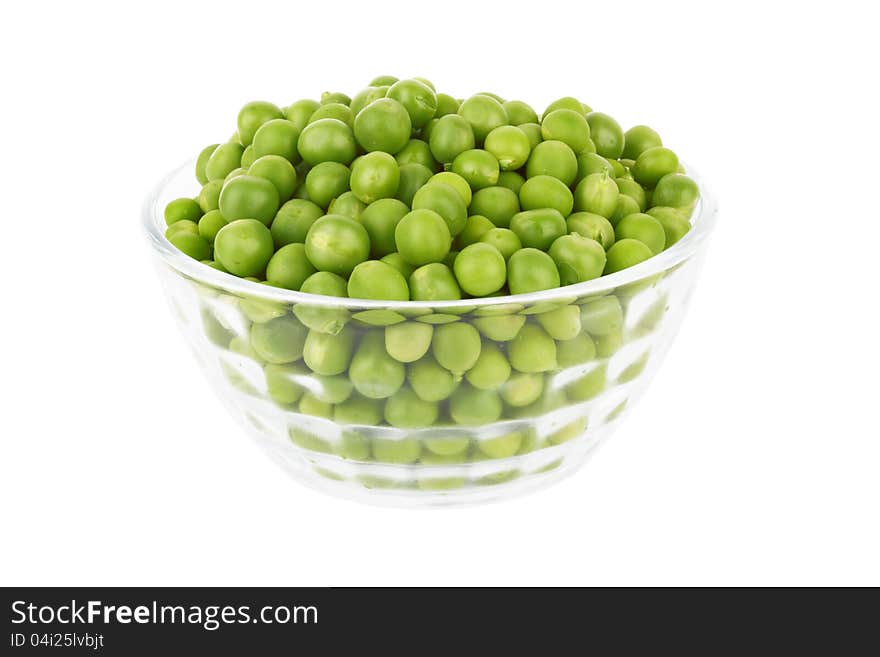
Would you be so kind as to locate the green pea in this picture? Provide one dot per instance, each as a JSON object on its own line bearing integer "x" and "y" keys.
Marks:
{"x": 337, "y": 244}
{"x": 472, "y": 407}
{"x": 383, "y": 125}
{"x": 280, "y": 340}
{"x": 333, "y": 111}
{"x": 433, "y": 282}
{"x": 594, "y": 226}
{"x": 675, "y": 190}
{"x": 358, "y": 410}
{"x": 235, "y": 173}
{"x": 575, "y": 351}
{"x": 418, "y": 99}
{"x": 607, "y": 345}
{"x": 452, "y": 445}
{"x": 519, "y": 112}
{"x": 412, "y": 178}
{"x": 333, "y": 389}
{"x": 597, "y": 193}
{"x": 484, "y": 114}
{"x": 300, "y": 112}
{"x": 531, "y": 270}
{"x": 546, "y": 192}
{"x": 244, "y": 247}
{"x": 347, "y": 205}
{"x": 653, "y": 164}
{"x": 456, "y": 346}
{"x": 180, "y": 209}
{"x": 634, "y": 190}
{"x": 293, "y": 220}
{"x": 202, "y": 161}
{"x": 373, "y": 372}
{"x": 329, "y": 97}
{"x": 491, "y": 370}
{"x": 606, "y": 134}
{"x": 522, "y": 389}
{"x": 626, "y": 253}
{"x": 210, "y": 224}
{"x": 644, "y": 228}
{"x": 637, "y": 140}
{"x": 455, "y": 181}
{"x": 533, "y": 132}
{"x": 278, "y": 171}
{"x": 326, "y": 181}
{"x": 675, "y": 224}
{"x": 326, "y": 319}
{"x": 383, "y": 81}
{"x": 577, "y": 258}
{"x": 450, "y": 136}
{"x": 249, "y": 197}
{"x": 375, "y": 176}
{"x": 352, "y": 445}
{"x": 416, "y": 151}
{"x": 480, "y": 269}
{"x": 422, "y": 236}
{"x": 602, "y": 316}
{"x": 501, "y": 447}
{"x": 587, "y": 386}
{"x": 289, "y": 267}
{"x": 500, "y": 328}
{"x": 398, "y": 451}
{"x": 446, "y": 202}
{"x": 252, "y": 116}
{"x": 476, "y": 226}
{"x": 309, "y": 441}
{"x": 193, "y": 245}
{"x": 327, "y": 140}
{"x": 497, "y": 203}
{"x": 509, "y": 146}
{"x": 408, "y": 341}
{"x": 563, "y": 323}
{"x": 538, "y": 228}
{"x": 375, "y": 279}
{"x": 512, "y": 180}
{"x": 281, "y": 383}
{"x": 183, "y": 226}
{"x": 566, "y": 102}
{"x": 380, "y": 218}
{"x": 209, "y": 196}
{"x": 626, "y": 205}
{"x": 405, "y": 410}
{"x": 366, "y": 96}
{"x": 592, "y": 163}
{"x": 478, "y": 167}
{"x": 430, "y": 381}
{"x": 328, "y": 354}
{"x": 446, "y": 105}
{"x": 532, "y": 350}
{"x": 397, "y": 261}
{"x": 311, "y": 405}
{"x": 224, "y": 159}
{"x": 567, "y": 126}
{"x": 504, "y": 240}
{"x": 553, "y": 158}
{"x": 277, "y": 137}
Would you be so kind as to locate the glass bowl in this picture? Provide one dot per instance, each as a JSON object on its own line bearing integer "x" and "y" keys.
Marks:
{"x": 482, "y": 444}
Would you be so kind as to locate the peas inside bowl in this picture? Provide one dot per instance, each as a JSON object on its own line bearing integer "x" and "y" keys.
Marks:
{"x": 412, "y": 299}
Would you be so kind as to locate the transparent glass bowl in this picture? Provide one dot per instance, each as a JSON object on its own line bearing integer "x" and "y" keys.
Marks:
{"x": 330, "y": 436}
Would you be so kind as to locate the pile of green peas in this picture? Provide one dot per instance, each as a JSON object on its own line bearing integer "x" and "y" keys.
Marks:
{"x": 402, "y": 193}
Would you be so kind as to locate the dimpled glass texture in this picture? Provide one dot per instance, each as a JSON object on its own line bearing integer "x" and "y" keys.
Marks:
{"x": 579, "y": 405}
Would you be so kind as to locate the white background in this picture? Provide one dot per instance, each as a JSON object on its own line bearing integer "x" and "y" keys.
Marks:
{"x": 753, "y": 458}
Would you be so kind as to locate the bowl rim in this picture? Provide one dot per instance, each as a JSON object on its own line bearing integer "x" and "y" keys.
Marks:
{"x": 703, "y": 223}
